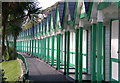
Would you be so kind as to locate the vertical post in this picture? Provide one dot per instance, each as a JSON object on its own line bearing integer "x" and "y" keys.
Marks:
{"x": 41, "y": 49}
{"x": 38, "y": 41}
{"x": 57, "y": 54}
{"x": 99, "y": 47}
{"x": 68, "y": 51}
{"x": 80, "y": 55}
{"x": 80, "y": 50}
{"x": 48, "y": 56}
{"x": 30, "y": 46}
{"x": 43, "y": 43}
{"x": 119, "y": 53}
{"x": 87, "y": 52}
{"x": 76, "y": 55}
{"x": 93, "y": 51}
{"x": 104, "y": 52}
{"x": 27, "y": 42}
{"x": 58, "y": 51}
{"x": 23, "y": 41}
{"x": 44, "y": 49}
{"x": 32, "y": 39}
{"x": 35, "y": 46}
{"x": 52, "y": 50}
{"x": 65, "y": 53}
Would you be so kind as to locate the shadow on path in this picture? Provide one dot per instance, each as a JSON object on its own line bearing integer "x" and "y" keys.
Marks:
{"x": 40, "y": 71}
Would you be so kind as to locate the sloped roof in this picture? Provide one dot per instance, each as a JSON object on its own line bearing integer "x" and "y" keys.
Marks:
{"x": 44, "y": 24}
{"x": 48, "y": 17}
{"x": 38, "y": 27}
{"x": 53, "y": 12}
{"x": 61, "y": 10}
{"x": 86, "y": 6}
{"x": 71, "y": 9}
{"x": 32, "y": 29}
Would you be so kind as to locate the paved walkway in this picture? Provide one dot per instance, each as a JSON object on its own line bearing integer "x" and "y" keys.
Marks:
{"x": 40, "y": 71}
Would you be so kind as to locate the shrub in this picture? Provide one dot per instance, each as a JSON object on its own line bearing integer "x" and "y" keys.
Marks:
{"x": 9, "y": 54}
{"x": 2, "y": 75}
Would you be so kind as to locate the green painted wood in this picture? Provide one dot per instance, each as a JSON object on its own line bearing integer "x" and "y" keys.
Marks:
{"x": 76, "y": 55}
{"x": 38, "y": 48}
{"x": 43, "y": 42}
{"x": 99, "y": 49}
{"x": 87, "y": 53}
{"x": 93, "y": 54}
{"x": 31, "y": 47}
{"x": 68, "y": 51}
{"x": 41, "y": 48}
{"x": 48, "y": 55}
{"x": 35, "y": 47}
{"x": 59, "y": 37}
{"x": 58, "y": 51}
{"x": 89, "y": 10}
{"x": 103, "y": 5}
{"x": 80, "y": 53}
{"x": 114, "y": 60}
{"x": 28, "y": 46}
{"x": 65, "y": 57}
{"x": 104, "y": 53}
{"x": 44, "y": 54}
{"x": 91, "y": 48}
{"x": 75, "y": 13}
{"x": 118, "y": 4}
{"x": 110, "y": 76}
{"x": 52, "y": 50}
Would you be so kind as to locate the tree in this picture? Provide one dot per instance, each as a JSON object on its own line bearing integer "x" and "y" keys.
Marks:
{"x": 14, "y": 11}
{"x": 13, "y": 29}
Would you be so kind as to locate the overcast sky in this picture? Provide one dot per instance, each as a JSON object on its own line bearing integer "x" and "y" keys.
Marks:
{"x": 47, "y": 3}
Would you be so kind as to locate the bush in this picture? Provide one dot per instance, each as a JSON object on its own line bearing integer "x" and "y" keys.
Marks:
{"x": 2, "y": 75}
{"x": 9, "y": 54}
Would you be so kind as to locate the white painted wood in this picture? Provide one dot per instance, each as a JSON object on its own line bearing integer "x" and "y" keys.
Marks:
{"x": 55, "y": 47}
{"x": 99, "y": 16}
{"x": 80, "y": 23}
{"x": 36, "y": 46}
{"x": 114, "y": 40}
{"x": 50, "y": 47}
{"x": 84, "y": 42}
{"x": 84, "y": 48}
{"x": 114, "y": 48}
{"x": 115, "y": 71}
{"x": 72, "y": 47}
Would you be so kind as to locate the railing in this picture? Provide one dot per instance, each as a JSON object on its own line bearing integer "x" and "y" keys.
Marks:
{"x": 26, "y": 74}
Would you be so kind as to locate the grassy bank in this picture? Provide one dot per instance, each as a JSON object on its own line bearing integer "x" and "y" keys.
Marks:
{"x": 12, "y": 70}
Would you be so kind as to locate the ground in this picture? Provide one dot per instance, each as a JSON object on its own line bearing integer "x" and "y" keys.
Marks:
{"x": 12, "y": 70}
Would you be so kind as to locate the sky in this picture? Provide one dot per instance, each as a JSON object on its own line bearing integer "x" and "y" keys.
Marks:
{"x": 47, "y": 3}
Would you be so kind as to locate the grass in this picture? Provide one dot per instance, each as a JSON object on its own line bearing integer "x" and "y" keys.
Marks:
{"x": 12, "y": 70}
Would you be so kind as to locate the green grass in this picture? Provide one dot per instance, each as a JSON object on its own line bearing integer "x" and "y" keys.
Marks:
{"x": 12, "y": 70}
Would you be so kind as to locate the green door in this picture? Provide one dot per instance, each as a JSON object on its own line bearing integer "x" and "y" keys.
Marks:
{"x": 114, "y": 50}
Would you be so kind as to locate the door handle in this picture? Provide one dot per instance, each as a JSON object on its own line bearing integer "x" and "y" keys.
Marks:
{"x": 118, "y": 52}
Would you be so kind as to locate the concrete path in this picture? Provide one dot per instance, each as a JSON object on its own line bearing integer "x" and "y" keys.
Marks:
{"x": 40, "y": 71}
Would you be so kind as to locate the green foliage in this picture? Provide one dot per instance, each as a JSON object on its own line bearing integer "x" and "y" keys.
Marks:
{"x": 16, "y": 13}
{"x": 12, "y": 70}
{"x": 6, "y": 55}
{"x": 2, "y": 72}
{"x": 13, "y": 29}
{"x": 10, "y": 55}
